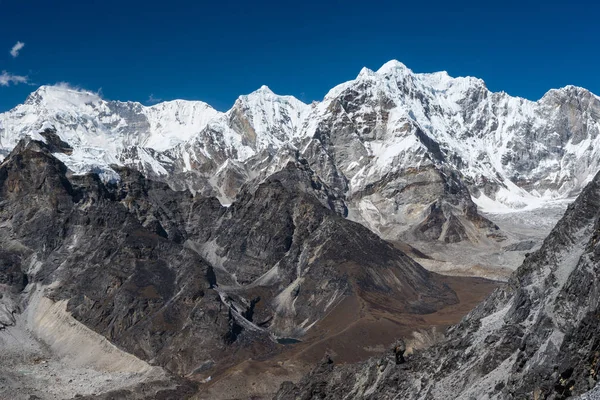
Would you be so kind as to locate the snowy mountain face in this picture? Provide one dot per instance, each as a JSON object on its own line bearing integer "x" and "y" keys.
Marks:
{"x": 100, "y": 131}
{"x": 411, "y": 154}
{"x": 510, "y": 151}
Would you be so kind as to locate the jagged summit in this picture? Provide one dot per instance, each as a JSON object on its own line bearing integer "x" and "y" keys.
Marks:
{"x": 570, "y": 93}
{"x": 393, "y": 67}
{"x": 265, "y": 89}
{"x": 61, "y": 96}
{"x": 365, "y": 72}
{"x": 438, "y": 81}
{"x": 264, "y": 93}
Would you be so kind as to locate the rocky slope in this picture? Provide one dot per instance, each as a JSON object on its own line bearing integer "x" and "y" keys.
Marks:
{"x": 282, "y": 253}
{"x": 538, "y": 337}
{"x": 178, "y": 281}
{"x": 71, "y": 238}
{"x": 410, "y": 154}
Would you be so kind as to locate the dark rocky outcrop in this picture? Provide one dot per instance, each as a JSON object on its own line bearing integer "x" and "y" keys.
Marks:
{"x": 284, "y": 241}
{"x": 147, "y": 294}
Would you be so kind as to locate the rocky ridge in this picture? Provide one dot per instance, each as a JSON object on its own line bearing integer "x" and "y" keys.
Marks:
{"x": 537, "y": 337}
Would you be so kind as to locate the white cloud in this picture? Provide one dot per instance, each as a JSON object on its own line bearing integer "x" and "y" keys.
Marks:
{"x": 152, "y": 99}
{"x": 67, "y": 85}
{"x": 16, "y": 49}
{"x": 6, "y": 79}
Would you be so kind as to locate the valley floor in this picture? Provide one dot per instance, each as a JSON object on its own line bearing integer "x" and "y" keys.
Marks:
{"x": 372, "y": 333}
{"x": 29, "y": 369}
{"x": 524, "y": 231}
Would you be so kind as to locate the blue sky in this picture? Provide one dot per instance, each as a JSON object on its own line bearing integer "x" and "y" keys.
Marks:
{"x": 215, "y": 51}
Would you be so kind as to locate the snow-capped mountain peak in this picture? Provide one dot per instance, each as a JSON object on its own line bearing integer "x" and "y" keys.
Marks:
{"x": 365, "y": 73}
{"x": 394, "y": 67}
{"x": 529, "y": 152}
{"x": 268, "y": 117}
{"x": 99, "y": 130}
{"x": 60, "y": 96}
{"x": 264, "y": 89}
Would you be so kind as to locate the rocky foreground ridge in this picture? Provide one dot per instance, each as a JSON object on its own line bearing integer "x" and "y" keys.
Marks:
{"x": 537, "y": 337}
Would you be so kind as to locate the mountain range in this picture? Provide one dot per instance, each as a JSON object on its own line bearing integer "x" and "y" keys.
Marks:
{"x": 410, "y": 156}
{"x": 175, "y": 251}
